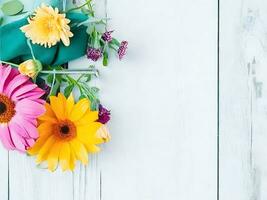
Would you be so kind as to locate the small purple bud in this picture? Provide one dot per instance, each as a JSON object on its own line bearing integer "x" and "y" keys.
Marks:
{"x": 122, "y": 49}
{"x": 93, "y": 54}
{"x": 107, "y": 36}
{"x": 103, "y": 115}
{"x": 46, "y": 88}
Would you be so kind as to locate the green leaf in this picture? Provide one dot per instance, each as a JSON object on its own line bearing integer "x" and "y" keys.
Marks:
{"x": 1, "y": 20}
{"x": 83, "y": 96}
{"x": 55, "y": 88}
{"x": 68, "y": 90}
{"x": 105, "y": 59}
{"x": 12, "y": 7}
{"x": 49, "y": 79}
{"x": 115, "y": 42}
{"x": 94, "y": 90}
{"x": 94, "y": 104}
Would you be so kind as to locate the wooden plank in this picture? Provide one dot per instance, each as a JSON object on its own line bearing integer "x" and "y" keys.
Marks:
{"x": 243, "y": 169}
{"x": 27, "y": 181}
{"x": 3, "y": 173}
{"x": 86, "y": 179}
{"x": 163, "y": 99}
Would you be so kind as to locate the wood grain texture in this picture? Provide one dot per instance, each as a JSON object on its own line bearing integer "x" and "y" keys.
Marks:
{"x": 3, "y": 173}
{"x": 163, "y": 98}
{"x": 243, "y": 100}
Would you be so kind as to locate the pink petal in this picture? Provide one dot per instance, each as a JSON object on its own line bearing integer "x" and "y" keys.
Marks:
{"x": 14, "y": 84}
{"x": 29, "y": 125}
{"x": 5, "y": 138}
{"x": 21, "y": 131}
{"x": 40, "y": 101}
{"x": 30, "y": 142}
{"x": 16, "y": 138}
{"x": 5, "y": 71}
{"x": 30, "y": 108}
{"x": 22, "y": 90}
{"x": 32, "y": 95}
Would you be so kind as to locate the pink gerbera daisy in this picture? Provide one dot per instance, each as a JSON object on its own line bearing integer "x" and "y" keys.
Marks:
{"x": 20, "y": 105}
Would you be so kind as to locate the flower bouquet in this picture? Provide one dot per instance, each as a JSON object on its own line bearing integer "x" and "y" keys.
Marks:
{"x": 39, "y": 114}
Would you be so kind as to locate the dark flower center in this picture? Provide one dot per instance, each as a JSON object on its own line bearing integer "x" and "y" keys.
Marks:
{"x": 2, "y": 108}
{"x": 7, "y": 109}
{"x": 65, "y": 129}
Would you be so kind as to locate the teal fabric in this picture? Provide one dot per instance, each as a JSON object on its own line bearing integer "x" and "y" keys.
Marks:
{"x": 13, "y": 44}
{"x": 30, "y": 5}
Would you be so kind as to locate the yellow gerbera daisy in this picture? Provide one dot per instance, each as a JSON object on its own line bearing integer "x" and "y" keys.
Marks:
{"x": 47, "y": 27}
{"x": 68, "y": 132}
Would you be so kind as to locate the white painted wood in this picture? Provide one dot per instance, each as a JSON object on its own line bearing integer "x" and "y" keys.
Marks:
{"x": 243, "y": 170}
{"x": 163, "y": 98}
{"x": 3, "y": 173}
{"x": 163, "y": 101}
{"x": 27, "y": 181}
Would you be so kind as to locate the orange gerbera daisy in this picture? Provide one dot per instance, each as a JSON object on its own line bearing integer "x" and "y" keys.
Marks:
{"x": 47, "y": 27}
{"x": 68, "y": 132}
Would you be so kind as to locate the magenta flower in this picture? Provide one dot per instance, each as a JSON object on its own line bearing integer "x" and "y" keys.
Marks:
{"x": 122, "y": 49}
{"x": 103, "y": 115}
{"x": 107, "y": 36}
{"x": 93, "y": 54}
{"x": 20, "y": 105}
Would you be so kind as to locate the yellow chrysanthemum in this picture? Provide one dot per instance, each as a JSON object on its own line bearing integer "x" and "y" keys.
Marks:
{"x": 47, "y": 27}
{"x": 68, "y": 132}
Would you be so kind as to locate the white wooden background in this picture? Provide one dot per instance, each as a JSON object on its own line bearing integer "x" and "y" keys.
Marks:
{"x": 168, "y": 106}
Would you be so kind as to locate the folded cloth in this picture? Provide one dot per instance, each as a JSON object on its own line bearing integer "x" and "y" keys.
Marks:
{"x": 13, "y": 44}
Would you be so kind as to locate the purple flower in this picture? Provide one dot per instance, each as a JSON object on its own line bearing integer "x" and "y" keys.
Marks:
{"x": 107, "y": 36}
{"x": 103, "y": 115}
{"x": 93, "y": 54}
{"x": 46, "y": 88}
{"x": 122, "y": 49}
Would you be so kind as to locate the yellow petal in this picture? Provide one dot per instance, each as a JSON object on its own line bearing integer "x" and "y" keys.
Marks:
{"x": 52, "y": 158}
{"x": 38, "y": 144}
{"x": 70, "y": 104}
{"x": 90, "y": 116}
{"x": 72, "y": 159}
{"x": 45, "y": 149}
{"x": 88, "y": 133}
{"x": 79, "y": 109}
{"x": 65, "y": 39}
{"x": 45, "y": 128}
{"x": 49, "y": 114}
{"x": 58, "y": 107}
{"x": 80, "y": 151}
{"x": 64, "y": 157}
{"x": 92, "y": 148}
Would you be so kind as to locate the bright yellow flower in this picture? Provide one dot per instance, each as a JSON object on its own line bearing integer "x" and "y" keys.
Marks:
{"x": 68, "y": 132}
{"x": 30, "y": 68}
{"x": 47, "y": 27}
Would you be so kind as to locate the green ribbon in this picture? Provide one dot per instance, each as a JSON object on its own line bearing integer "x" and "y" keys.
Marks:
{"x": 13, "y": 44}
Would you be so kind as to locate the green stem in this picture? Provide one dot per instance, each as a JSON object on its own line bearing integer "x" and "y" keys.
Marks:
{"x": 79, "y": 7}
{"x": 30, "y": 46}
{"x": 9, "y": 63}
{"x": 93, "y": 72}
{"x": 53, "y": 83}
{"x": 76, "y": 83}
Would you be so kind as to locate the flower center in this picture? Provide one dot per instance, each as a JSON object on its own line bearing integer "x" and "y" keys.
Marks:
{"x": 65, "y": 130}
{"x": 7, "y": 109}
{"x": 2, "y": 108}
